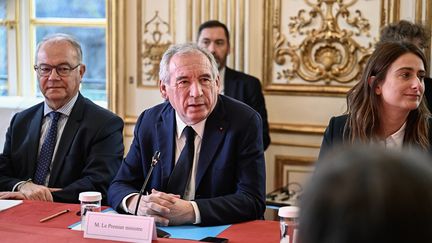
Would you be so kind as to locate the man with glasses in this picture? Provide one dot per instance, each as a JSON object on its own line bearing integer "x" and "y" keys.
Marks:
{"x": 211, "y": 168}
{"x": 66, "y": 144}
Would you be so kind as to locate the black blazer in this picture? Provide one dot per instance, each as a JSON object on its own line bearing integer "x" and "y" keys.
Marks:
{"x": 247, "y": 89}
{"x": 88, "y": 156}
{"x": 334, "y": 135}
{"x": 230, "y": 179}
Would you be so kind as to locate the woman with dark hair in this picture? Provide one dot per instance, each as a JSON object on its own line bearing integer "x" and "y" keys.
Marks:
{"x": 368, "y": 195}
{"x": 386, "y": 107}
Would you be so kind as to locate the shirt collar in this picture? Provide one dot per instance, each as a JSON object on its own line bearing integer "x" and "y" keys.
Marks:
{"x": 198, "y": 127}
{"x": 65, "y": 110}
{"x": 396, "y": 139}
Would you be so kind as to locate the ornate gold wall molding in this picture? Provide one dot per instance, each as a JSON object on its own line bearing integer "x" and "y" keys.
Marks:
{"x": 425, "y": 19}
{"x": 297, "y": 128}
{"x": 232, "y": 13}
{"x": 155, "y": 35}
{"x": 390, "y": 11}
{"x": 306, "y": 130}
{"x": 316, "y": 49}
{"x": 284, "y": 166}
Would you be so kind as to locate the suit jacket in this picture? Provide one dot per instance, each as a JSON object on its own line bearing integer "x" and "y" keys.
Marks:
{"x": 88, "y": 156}
{"x": 247, "y": 89}
{"x": 230, "y": 179}
{"x": 334, "y": 135}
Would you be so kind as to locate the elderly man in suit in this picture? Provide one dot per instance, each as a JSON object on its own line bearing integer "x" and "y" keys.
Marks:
{"x": 66, "y": 144}
{"x": 214, "y": 36}
{"x": 211, "y": 168}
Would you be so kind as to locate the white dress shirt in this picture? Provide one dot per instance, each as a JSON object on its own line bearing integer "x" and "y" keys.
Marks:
{"x": 395, "y": 140}
{"x": 180, "y": 142}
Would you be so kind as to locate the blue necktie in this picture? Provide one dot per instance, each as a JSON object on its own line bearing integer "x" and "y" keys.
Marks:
{"x": 47, "y": 151}
{"x": 182, "y": 170}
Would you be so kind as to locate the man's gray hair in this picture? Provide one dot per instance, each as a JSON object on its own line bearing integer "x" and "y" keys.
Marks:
{"x": 186, "y": 48}
{"x": 61, "y": 37}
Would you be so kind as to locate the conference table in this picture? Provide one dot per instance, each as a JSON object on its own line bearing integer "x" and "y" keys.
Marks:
{"x": 21, "y": 224}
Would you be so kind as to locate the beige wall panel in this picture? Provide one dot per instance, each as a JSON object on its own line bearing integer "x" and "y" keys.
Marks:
{"x": 254, "y": 38}
{"x": 274, "y": 151}
{"x": 312, "y": 110}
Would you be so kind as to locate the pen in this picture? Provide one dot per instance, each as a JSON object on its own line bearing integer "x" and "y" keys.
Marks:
{"x": 54, "y": 215}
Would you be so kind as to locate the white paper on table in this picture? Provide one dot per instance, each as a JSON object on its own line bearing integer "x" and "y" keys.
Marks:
{"x": 5, "y": 204}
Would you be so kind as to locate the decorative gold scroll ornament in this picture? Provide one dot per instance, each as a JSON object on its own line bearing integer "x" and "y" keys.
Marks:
{"x": 328, "y": 53}
{"x": 155, "y": 47}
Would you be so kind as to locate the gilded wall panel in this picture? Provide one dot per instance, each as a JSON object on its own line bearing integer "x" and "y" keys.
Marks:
{"x": 320, "y": 46}
{"x": 230, "y": 12}
{"x": 155, "y": 34}
{"x": 292, "y": 169}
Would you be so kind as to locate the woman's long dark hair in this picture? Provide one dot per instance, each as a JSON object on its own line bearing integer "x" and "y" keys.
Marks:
{"x": 363, "y": 120}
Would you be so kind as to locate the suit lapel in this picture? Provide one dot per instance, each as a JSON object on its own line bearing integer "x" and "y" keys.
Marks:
{"x": 165, "y": 132}
{"x": 34, "y": 139}
{"x": 214, "y": 133}
{"x": 66, "y": 138}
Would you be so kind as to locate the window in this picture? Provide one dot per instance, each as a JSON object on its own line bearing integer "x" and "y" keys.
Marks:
{"x": 85, "y": 20}
{"x": 3, "y": 50}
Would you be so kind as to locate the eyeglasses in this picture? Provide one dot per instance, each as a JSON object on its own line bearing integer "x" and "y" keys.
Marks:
{"x": 63, "y": 70}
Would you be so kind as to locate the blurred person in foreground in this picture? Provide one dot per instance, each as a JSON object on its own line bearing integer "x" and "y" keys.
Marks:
{"x": 415, "y": 33}
{"x": 211, "y": 168}
{"x": 368, "y": 194}
{"x": 214, "y": 36}
{"x": 386, "y": 107}
{"x": 66, "y": 144}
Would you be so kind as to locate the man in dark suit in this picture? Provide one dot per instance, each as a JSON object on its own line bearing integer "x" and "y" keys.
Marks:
{"x": 66, "y": 144}
{"x": 225, "y": 179}
{"x": 214, "y": 36}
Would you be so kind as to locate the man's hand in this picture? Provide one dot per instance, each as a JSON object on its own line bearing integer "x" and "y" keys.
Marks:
{"x": 181, "y": 212}
{"x": 33, "y": 191}
{"x": 156, "y": 205}
{"x": 12, "y": 195}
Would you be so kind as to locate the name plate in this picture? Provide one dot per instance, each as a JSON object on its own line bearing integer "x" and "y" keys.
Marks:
{"x": 120, "y": 227}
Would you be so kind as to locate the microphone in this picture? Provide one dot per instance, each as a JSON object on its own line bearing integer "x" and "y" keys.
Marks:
{"x": 155, "y": 160}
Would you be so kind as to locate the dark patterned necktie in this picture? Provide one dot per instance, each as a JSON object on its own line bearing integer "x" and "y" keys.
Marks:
{"x": 182, "y": 170}
{"x": 47, "y": 150}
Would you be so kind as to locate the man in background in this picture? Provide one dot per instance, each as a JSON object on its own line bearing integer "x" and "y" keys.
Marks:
{"x": 416, "y": 34}
{"x": 214, "y": 36}
{"x": 66, "y": 144}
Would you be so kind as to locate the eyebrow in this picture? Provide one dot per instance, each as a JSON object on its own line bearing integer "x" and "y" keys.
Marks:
{"x": 208, "y": 39}
{"x": 206, "y": 75}
{"x": 181, "y": 77}
{"x": 63, "y": 63}
{"x": 409, "y": 69}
